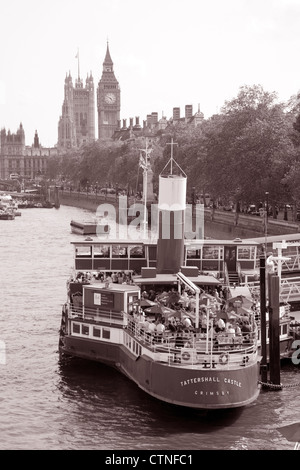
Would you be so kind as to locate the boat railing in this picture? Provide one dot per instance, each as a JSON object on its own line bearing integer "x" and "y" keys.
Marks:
{"x": 96, "y": 314}
{"x": 291, "y": 264}
{"x": 195, "y": 347}
{"x": 239, "y": 271}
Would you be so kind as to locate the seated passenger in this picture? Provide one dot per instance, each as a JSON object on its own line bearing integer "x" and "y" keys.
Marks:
{"x": 187, "y": 324}
{"x": 160, "y": 328}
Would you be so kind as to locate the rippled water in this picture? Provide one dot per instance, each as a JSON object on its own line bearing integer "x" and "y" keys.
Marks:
{"x": 82, "y": 405}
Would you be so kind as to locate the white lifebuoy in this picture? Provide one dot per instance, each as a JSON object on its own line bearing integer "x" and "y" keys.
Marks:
{"x": 185, "y": 356}
{"x": 223, "y": 359}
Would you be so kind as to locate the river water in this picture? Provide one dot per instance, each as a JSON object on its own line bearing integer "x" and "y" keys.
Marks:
{"x": 45, "y": 405}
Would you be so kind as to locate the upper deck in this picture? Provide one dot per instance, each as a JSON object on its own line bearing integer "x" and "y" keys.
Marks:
{"x": 123, "y": 255}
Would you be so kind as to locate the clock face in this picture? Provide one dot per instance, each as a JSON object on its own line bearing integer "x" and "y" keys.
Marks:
{"x": 110, "y": 98}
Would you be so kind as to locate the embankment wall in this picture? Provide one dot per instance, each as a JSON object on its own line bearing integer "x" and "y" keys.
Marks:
{"x": 217, "y": 223}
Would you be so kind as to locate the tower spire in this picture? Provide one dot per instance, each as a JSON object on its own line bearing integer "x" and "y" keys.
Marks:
{"x": 77, "y": 57}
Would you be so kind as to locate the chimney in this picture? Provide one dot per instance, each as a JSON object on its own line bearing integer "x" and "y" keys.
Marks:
{"x": 137, "y": 123}
{"x": 149, "y": 119}
{"x": 188, "y": 111}
{"x": 131, "y": 122}
{"x": 119, "y": 124}
{"x": 176, "y": 113}
{"x": 124, "y": 124}
{"x": 154, "y": 118}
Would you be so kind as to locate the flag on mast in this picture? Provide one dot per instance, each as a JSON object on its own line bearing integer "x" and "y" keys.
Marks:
{"x": 143, "y": 161}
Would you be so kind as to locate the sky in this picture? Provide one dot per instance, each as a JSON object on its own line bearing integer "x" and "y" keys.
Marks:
{"x": 166, "y": 54}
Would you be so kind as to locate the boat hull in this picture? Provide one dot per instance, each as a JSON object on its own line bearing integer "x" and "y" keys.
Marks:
{"x": 186, "y": 386}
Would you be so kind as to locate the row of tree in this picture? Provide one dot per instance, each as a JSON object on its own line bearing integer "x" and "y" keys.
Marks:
{"x": 250, "y": 148}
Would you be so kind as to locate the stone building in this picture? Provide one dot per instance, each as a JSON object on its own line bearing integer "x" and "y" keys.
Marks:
{"x": 154, "y": 127}
{"x": 77, "y": 122}
{"x": 28, "y": 162}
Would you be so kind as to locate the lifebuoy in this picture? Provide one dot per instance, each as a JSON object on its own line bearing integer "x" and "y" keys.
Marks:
{"x": 185, "y": 356}
{"x": 223, "y": 359}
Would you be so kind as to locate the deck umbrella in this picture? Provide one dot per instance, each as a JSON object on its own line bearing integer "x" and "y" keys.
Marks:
{"x": 246, "y": 302}
{"x": 158, "y": 309}
{"x": 145, "y": 303}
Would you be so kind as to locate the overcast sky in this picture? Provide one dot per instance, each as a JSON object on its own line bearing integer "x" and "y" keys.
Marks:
{"x": 166, "y": 53}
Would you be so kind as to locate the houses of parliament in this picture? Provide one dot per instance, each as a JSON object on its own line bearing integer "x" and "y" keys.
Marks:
{"x": 76, "y": 125}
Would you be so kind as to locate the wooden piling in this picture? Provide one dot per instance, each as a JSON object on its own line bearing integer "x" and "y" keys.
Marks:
{"x": 263, "y": 326}
{"x": 274, "y": 344}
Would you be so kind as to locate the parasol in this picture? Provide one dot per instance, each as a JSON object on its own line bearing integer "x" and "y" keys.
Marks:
{"x": 160, "y": 310}
{"x": 246, "y": 302}
{"x": 144, "y": 303}
{"x": 227, "y": 315}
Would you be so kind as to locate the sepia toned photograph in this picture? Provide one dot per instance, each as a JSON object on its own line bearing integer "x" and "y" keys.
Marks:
{"x": 150, "y": 228}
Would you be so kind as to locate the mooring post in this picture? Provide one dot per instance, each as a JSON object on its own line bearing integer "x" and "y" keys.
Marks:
{"x": 274, "y": 347}
{"x": 263, "y": 326}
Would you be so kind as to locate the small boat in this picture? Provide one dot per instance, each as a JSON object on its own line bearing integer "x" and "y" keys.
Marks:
{"x": 6, "y": 215}
{"x": 174, "y": 355}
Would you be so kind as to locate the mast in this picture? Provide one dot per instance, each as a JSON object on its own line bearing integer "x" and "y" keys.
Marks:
{"x": 144, "y": 163}
{"x": 171, "y": 213}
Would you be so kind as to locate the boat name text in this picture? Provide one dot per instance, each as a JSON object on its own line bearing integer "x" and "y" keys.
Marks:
{"x": 196, "y": 380}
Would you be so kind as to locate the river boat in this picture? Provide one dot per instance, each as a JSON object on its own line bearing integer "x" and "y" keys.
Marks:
{"x": 6, "y": 215}
{"x": 186, "y": 362}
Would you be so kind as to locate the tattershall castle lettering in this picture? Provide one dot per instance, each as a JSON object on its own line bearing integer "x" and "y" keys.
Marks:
{"x": 202, "y": 379}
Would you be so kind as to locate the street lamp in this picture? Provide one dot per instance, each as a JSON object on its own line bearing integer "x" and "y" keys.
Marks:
{"x": 266, "y": 221}
{"x": 267, "y": 205}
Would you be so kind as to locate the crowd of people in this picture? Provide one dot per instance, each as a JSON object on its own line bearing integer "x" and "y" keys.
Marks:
{"x": 178, "y": 323}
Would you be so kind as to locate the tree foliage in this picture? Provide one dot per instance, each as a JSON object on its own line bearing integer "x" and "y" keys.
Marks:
{"x": 251, "y": 147}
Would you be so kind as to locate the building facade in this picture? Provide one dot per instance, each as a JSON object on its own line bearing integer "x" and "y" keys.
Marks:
{"x": 77, "y": 122}
{"x": 28, "y": 162}
{"x": 108, "y": 100}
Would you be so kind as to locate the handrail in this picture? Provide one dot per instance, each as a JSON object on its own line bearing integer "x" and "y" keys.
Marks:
{"x": 239, "y": 272}
{"x": 96, "y": 314}
{"x": 226, "y": 275}
{"x": 194, "y": 340}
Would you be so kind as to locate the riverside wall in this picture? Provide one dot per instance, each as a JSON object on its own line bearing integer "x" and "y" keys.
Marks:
{"x": 217, "y": 223}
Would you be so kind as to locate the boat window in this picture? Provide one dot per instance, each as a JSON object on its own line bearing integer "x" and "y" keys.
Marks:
{"x": 76, "y": 328}
{"x": 83, "y": 251}
{"x": 119, "y": 251}
{"x": 137, "y": 251}
{"x": 246, "y": 252}
{"x": 284, "y": 329}
{"x": 210, "y": 252}
{"x": 85, "y": 330}
{"x": 193, "y": 252}
{"x": 106, "y": 334}
{"x": 101, "y": 251}
{"x": 97, "y": 332}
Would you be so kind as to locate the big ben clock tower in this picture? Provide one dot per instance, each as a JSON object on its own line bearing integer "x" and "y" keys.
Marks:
{"x": 108, "y": 100}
